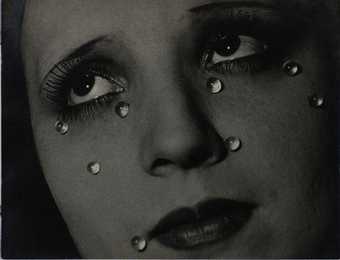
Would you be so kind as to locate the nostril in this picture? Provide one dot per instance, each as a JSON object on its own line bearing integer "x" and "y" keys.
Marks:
{"x": 192, "y": 158}
{"x": 161, "y": 167}
{"x": 160, "y": 163}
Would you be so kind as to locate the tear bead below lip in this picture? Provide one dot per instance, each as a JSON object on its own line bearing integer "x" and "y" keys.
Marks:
{"x": 139, "y": 243}
{"x": 233, "y": 143}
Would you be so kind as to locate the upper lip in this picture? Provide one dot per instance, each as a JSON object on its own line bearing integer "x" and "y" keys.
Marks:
{"x": 238, "y": 212}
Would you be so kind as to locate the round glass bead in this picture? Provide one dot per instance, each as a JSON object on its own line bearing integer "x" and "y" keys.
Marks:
{"x": 214, "y": 85}
{"x": 139, "y": 243}
{"x": 316, "y": 101}
{"x": 93, "y": 168}
{"x": 61, "y": 127}
{"x": 122, "y": 109}
{"x": 291, "y": 68}
{"x": 233, "y": 143}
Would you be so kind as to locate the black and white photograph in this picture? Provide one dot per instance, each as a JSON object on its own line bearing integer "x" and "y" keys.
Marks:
{"x": 170, "y": 129}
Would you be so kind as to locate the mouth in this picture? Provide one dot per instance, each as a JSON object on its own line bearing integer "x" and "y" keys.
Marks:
{"x": 207, "y": 222}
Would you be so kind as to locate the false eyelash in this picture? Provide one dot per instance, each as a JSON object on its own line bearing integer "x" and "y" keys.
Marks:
{"x": 253, "y": 64}
{"x": 56, "y": 89}
{"x": 279, "y": 35}
{"x": 52, "y": 89}
{"x": 88, "y": 109}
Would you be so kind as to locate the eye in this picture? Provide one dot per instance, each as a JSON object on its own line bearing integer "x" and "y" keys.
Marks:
{"x": 89, "y": 86}
{"x": 229, "y": 50}
{"x": 79, "y": 89}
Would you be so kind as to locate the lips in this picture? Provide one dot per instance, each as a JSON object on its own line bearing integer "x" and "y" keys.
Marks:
{"x": 207, "y": 222}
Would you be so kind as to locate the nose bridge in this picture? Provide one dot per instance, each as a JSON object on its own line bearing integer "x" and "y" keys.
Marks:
{"x": 177, "y": 115}
{"x": 172, "y": 101}
{"x": 179, "y": 133}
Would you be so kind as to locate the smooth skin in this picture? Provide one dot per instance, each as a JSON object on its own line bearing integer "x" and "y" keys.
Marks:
{"x": 169, "y": 151}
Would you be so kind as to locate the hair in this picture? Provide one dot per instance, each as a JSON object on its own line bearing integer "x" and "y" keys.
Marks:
{"x": 32, "y": 226}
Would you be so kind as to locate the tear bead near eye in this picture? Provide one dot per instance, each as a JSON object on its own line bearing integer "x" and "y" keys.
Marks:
{"x": 61, "y": 127}
{"x": 215, "y": 85}
{"x": 122, "y": 109}
{"x": 316, "y": 101}
{"x": 138, "y": 243}
{"x": 93, "y": 168}
{"x": 292, "y": 68}
{"x": 233, "y": 143}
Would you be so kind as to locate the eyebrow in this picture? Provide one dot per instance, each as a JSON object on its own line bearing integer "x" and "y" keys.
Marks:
{"x": 85, "y": 48}
{"x": 295, "y": 10}
{"x": 230, "y": 4}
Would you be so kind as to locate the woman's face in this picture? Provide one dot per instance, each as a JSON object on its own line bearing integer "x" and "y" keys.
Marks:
{"x": 274, "y": 197}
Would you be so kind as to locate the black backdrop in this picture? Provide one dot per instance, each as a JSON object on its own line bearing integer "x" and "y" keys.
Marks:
{"x": 31, "y": 224}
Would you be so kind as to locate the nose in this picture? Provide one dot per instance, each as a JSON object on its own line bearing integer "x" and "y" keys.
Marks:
{"x": 180, "y": 136}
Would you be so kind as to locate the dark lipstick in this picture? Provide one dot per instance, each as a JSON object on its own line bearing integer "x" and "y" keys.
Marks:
{"x": 207, "y": 222}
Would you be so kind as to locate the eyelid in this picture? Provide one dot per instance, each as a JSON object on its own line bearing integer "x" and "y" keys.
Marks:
{"x": 85, "y": 49}
{"x": 54, "y": 90}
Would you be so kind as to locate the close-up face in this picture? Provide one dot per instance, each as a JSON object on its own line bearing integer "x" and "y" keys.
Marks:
{"x": 182, "y": 129}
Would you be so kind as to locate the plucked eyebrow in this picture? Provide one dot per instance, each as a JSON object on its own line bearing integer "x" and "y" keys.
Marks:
{"x": 230, "y": 4}
{"x": 76, "y": 52}
{"x": 85, "y": 48}
{"x": 294, "y": 10}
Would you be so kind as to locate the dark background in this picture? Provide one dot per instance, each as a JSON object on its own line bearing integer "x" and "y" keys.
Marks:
{"x": 31, "y": 224}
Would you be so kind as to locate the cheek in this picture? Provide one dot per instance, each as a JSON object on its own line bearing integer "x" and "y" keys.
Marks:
{"x": 91, "y": 203}
{"x": 288, "y": 147}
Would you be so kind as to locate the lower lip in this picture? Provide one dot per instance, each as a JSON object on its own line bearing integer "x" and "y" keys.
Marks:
{"x": 203, "y": 232}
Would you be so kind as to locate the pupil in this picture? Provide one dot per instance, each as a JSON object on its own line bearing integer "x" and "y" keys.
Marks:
{"x": 227, "y": 45}
{"x": 84, "y": 85}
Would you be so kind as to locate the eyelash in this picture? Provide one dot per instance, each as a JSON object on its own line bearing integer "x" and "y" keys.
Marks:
{"x": 56, "y": 90}
{"x": 273, "y": 34}
{"x": 252, "y": 64}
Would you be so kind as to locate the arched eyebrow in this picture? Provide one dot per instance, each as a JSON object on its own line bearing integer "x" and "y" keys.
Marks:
{"x": 85, "y": 48}
{"x": 296, "y": 10}
{"x": 230, "y": 4}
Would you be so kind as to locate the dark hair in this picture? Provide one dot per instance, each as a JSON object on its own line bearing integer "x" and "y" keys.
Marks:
{"x": 32, "y": 227}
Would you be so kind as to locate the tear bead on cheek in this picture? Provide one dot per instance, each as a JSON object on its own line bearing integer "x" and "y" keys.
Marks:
{"x": 215, "y": 85}
{"x": 139, "y": 243}
{"x": 316, "y": 101}
{"x": 122, "y": 109}
{"x": 233, "y": 143}
{"x": 291, "y": 68}
{"x": 61, "y": 127}
{"x": 93, "y": 168}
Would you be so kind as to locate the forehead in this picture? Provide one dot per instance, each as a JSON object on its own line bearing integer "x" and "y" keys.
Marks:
{"x": 51, "y": 27}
